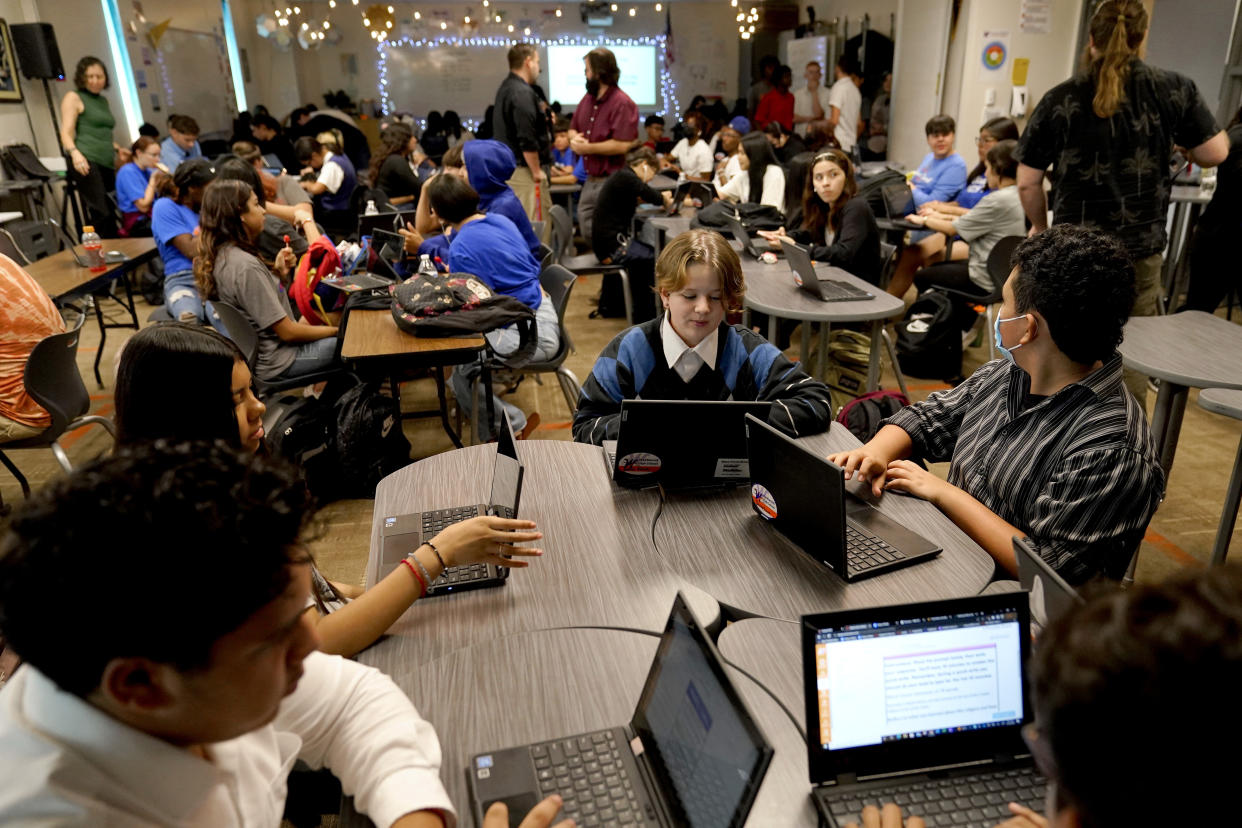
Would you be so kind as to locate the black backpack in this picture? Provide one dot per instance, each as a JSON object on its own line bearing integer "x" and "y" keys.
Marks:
{"x": 370, "y": 444}
{"x": 863, "y": 415}
{"x": 872, "y": 189}
{"x": 929, "y": 338}
{"x": 305, "y": 434}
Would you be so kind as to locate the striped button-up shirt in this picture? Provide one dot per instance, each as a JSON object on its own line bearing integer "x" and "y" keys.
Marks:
{"x": 1076, "y": 471}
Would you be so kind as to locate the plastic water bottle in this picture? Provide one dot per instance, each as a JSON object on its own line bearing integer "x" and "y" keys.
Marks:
{"x": 371, "y": 209}
{"x": 94, "y": 249}
{"x": 425, "y": 267}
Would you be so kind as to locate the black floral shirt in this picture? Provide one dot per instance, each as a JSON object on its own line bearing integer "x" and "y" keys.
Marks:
{"x": 1113, "y": 173}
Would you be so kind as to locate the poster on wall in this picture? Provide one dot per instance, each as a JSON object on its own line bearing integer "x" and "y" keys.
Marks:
{"x": 993, "y": 56}
{"x": 1035, "y": 17}
{"x": 10, "y": 86}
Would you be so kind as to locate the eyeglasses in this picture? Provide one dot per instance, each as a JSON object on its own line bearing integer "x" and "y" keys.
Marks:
{"x": 984, "y": 139}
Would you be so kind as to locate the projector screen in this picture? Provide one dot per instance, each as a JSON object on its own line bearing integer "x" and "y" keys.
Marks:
{"x": 567, "y": 84}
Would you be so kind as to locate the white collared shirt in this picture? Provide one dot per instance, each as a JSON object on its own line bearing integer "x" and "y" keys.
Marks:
{"x": 683, "y": 359}
{"x": 331, "y": 175}
{"x": 803, "y": 105}
{"x": 66, "y": 762}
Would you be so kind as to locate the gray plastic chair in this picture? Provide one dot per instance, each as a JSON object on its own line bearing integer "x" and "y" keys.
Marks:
{"x": 998, "y": 270}
{"x": 52, "y": 379}
{"x": 246, "y": 338}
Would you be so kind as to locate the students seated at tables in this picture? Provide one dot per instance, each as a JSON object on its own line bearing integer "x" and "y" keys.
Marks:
{"x": 227, "y": 269}
{"x": 837, "y": 223}
{"x": 137, "y": 186}
{"x": 391, "y": 170}
{"x": 612, "y": 238}
{"x": 180, "y": 383}
{"x": 942, "y": 174}
{"x": 27, "y": 317}
{"x": 761, "y": 174}
{"x": 996, "y": 216}
{"x": 691, "y": 156}
{"x": 181, "y": 143}
{"x": 567, "y": 166}
{"x": 1168, "y": 649}
{"x": 654, "y": 127}
{"x": 189, "y": 706}
{"x": 280, "y": 221}
{"x": 1045, "y": 442}
{"x": 930, "y": 247}
{"x": 490, "y": 247}
{"x": 777, "y": 104}
{"x": 272, "y": 140}
{"x": 728, "y": 140}
{"x": 333, "y": 188}
{"x": 281, "y": 188}
{"x": 174, "y": 224}
{"x": 785, "y": 143}
{"x": 689, "y": 352}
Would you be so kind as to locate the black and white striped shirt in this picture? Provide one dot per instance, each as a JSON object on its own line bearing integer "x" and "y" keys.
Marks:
{"x": 1076, "y": 471}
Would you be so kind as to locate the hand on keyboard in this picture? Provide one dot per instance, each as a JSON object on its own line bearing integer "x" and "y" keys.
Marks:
{"x": 539, "y": 816}
{"x": 485, "y": 539}
{"x": 890, "y": 817}
{"x": 1024, "y": 817}
{"x": 911, "y": 478}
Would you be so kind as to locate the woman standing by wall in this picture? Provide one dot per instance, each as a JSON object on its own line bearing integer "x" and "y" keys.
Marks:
{"x": 86, "y": 124}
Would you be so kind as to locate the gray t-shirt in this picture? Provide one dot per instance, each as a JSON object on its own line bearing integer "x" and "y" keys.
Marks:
{"x": 245, "y": 282}
{"x": 998, "y": 214}
{"x": 289, "y": 190}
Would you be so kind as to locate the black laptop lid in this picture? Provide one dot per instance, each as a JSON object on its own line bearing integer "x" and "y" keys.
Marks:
{"x": 801, "y": 493}
{"x": 901, "y": 688}
{"x": 653, "y": 444}
{"x": 703, "y": 746}
{"x": 506, "y": 443}
{"x": 898, "y": 200}
{"x": 1050, "y": 594}
{"x": 803, "y": 268}
{"x": 739, "y": 232}
{"x": 391, "y": 220}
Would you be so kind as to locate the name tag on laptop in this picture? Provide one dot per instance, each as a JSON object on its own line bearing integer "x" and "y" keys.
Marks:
{"x": 738, "y": 467}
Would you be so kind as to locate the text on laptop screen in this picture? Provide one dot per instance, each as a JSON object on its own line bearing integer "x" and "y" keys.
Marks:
{"x": 706, "y": 749}
{"x": 917, "y": 677}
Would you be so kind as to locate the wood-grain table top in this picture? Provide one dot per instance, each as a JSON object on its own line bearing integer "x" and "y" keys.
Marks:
{"x": 1191, "y": 348}
{"x": 1222, "y": 401}
{"x": 374, "y": 334}
{"x": 61, "y": 276}
{"x": 770, "y": 288}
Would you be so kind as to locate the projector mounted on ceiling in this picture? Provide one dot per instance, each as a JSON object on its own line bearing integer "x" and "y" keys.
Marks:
{"x": 596, "y": 14}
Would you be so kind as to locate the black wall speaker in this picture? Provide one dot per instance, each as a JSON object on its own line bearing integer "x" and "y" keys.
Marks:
{"x": 35, "y": 44}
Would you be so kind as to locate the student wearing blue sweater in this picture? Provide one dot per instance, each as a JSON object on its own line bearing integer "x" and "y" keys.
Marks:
{"x": 942, "y": 175}
{"x": 689, "y": 352}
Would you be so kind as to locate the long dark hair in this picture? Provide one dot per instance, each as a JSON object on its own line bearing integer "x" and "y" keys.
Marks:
{"x": 1117, "y": 30}
{"x": 452, "y": 123}
{"x": 395, "y": 141}
{"x": 224, "y": 204}
{"x": 238, "y": 169}
{"x": 816, "y": 215}
{"x": 761, "y": 155}
{"x": 1001, "y": 129}
{"x": 174, "y": 383}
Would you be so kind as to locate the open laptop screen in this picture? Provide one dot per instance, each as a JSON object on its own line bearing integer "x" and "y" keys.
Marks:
{"x": 705, "y": 749}
{"x": 898, "y": 682}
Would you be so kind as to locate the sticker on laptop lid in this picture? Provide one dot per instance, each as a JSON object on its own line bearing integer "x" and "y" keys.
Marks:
{"x": 640, "y": 462}
{"x": 765, "y": 504}
{"x": 738, "y": 467}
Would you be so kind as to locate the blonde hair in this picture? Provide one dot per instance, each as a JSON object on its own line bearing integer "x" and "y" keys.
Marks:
{"x": 705, "y": 247}
{"x": 332, "y": 139}
{"x": 1117, "y": 31}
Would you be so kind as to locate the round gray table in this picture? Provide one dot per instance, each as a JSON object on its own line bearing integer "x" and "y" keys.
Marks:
{"x": 1191, "y": 349}
{"x": 1229, "y": 403}
{"x": 770, "y": 289}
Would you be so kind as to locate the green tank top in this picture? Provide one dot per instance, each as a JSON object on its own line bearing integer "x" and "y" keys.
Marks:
{"x": 94, "y": 129}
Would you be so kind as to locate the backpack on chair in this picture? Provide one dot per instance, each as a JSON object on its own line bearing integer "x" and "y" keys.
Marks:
{"x": 863, "y": 415}
{"x": 929, "y": 338}
{"x": 369, "y": 441}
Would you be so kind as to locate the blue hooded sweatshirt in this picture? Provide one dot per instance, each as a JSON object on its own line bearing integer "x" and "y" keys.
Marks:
{"x": 489, "y": 166}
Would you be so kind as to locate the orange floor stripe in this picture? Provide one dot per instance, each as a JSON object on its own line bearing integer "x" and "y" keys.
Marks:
{"x": 554, "y": 426}
{"x": 1171, "y": 550}
{"x": 68, "y": 440}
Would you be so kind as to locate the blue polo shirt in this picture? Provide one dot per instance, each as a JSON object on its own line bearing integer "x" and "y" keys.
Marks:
{"x": 493, "y": 249}
{"x": 131, "y": 185}
{"x": 172, "y": 155}
{"x": 169, "y": 220}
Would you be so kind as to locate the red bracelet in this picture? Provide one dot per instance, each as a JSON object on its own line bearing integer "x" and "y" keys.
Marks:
{"x": 417, "y": 577}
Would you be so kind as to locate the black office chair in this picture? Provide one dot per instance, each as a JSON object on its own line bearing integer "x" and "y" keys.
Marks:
{"x": 52, "y": 379}
{"x": 888, "y": 263}
{"x": 998, "y": 270}
{"x": 563, "y": 235}
{"x": 246, "y": 338}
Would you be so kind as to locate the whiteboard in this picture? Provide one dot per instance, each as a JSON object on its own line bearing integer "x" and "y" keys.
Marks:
{"x": 801, "y": 51}
{"x": 461, "y": 78}
{"x": 196, "y": 81}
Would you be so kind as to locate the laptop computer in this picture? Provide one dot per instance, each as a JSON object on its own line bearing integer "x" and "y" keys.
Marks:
{"x": 803, "y": 496}
{"x": 388, "y": 247}
{"x": 691, "y": 755}
{"x": 391, "y": 220}
{"x": 1050, "y": 595}
{"x": 651, "y": 447}
{"x": 898, "y": 200}
{"x": 705, "y": 191}
{"x": 402, "y": 534}
{"x": 823, "y": 288}
{"x": 735, "y": 226}
{"x": 922, "y": 705}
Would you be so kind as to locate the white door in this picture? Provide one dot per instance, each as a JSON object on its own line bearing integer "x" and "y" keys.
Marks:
{"x": 919, "y": 58}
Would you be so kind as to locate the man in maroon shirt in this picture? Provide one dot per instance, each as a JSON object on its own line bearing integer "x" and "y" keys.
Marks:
{"x": 604, "y": 126}
{"x": 778, "y": 104}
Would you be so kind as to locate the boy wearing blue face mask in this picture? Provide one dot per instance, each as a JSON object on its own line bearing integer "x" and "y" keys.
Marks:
{"x": 1047, "y": 442}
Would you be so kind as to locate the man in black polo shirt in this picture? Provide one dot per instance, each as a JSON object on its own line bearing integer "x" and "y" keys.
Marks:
{"x": 519, "y": 123}
{"x": 614, "y": 219}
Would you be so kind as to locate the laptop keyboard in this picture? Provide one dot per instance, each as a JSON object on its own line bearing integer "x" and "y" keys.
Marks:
{"x": 833, "y": 290}
{"x": 974, "y": 800}
{"x": 593, "y": 780}
{"x": 863, "y": 551}
{"x": 455, "y": 576}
